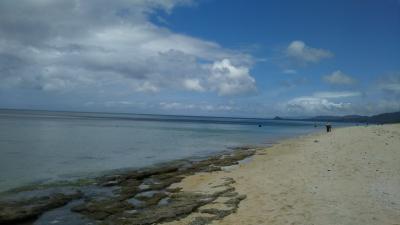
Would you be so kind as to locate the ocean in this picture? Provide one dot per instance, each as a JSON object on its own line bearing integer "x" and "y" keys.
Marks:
{"x": 43, "y": 146}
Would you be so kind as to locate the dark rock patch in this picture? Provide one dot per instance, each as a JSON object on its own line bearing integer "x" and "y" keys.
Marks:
{"x": 111, "y": 203}
{"x": 27, "y": 210}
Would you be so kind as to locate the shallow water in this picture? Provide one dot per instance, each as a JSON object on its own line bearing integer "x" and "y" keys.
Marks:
{"x": 64, "y": 215}
{"x": 46, "y": 146}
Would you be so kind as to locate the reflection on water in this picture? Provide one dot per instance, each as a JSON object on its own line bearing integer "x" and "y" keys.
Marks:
{"x": 43, "y": 146}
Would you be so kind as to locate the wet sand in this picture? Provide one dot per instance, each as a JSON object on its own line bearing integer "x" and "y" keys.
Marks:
{"x": 349, "y": 176}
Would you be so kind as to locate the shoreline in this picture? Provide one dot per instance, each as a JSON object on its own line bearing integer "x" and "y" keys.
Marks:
{"x": 274, "y": 185}
{"x": 89, "y": 178}
{"x": 83, "y": 177}
{"x": 60, "y": 170}
{"x": 109, "y": 197}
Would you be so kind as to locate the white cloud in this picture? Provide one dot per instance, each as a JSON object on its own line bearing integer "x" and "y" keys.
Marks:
{"x": 320, "y": 103}
{"x": 116, "y": 103}
{"x": 110, "y": 45}
{"x": 193, "y": 85}
{"x": 394, "y": 87}
{"x": 377, "y": 107}
{"x": 314, "y": 105}
{"x": 178, "y": 106}
{"x": 175, "y": 105}
{"x": 300, "y": 52}
{"x": 289, "y": 71}
{"x": 337, "y": 94}
{"x": 146, "y": 86}
{"x": 228, "y": 79}
{"x": 390, "y": 83}
{"x": 338, "y": 77}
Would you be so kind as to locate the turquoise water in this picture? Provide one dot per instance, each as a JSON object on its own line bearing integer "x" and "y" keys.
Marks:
{"x": 40, "y": 146}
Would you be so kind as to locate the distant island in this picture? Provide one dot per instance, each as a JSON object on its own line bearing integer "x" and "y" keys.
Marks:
{"x": 393, "y": 117}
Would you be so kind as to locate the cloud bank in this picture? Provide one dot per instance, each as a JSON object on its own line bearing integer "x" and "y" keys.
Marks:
{"x": 339, "y": 78}
{"x": 390, "y": 84}
{"x": 321, "y": 103}
{"x": 111, "y": 45}
{"x": 304, "y": 54}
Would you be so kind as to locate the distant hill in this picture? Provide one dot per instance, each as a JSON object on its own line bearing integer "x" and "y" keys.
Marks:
{"x": 349, "y": 118}
{"x": 380, "y": 118}
{"x": 386, "y": 118}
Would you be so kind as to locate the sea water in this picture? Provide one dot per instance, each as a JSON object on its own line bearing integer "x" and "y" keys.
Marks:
{"x": 42, "y": 146}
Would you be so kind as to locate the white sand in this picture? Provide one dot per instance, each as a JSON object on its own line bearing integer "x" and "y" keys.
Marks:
{"x": 348, "y": 177}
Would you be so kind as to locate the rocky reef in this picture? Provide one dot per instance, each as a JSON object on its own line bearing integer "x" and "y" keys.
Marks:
{"x": 132, "y": 197}
{"x": 15, "y": 212}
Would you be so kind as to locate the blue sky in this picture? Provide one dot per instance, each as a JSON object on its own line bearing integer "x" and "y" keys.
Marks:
{"x": 210, "y": 57}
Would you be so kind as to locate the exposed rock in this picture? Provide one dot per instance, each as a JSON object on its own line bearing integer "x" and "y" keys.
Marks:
{"x": 27, "y": 210}
{"x": 148, "y": 187}
{"x": 180, "y": 204}
{"x": 153, "y": 199}
{"x": 129, "y": 188}
{"x": 100, "y": 210}
{"x": 202, "y": 220}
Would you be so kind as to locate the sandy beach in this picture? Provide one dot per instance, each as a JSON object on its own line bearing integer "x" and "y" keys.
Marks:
{"x": 349, "y": 176}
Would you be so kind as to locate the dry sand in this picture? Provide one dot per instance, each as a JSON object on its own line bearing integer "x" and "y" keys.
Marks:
{"x": 348, "y": 177}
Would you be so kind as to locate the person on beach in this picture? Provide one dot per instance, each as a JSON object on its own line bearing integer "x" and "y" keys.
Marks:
{"x": 328, "y": 127}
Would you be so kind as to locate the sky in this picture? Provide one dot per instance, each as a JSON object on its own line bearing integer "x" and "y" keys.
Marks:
{"x": 244, "y": 58}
